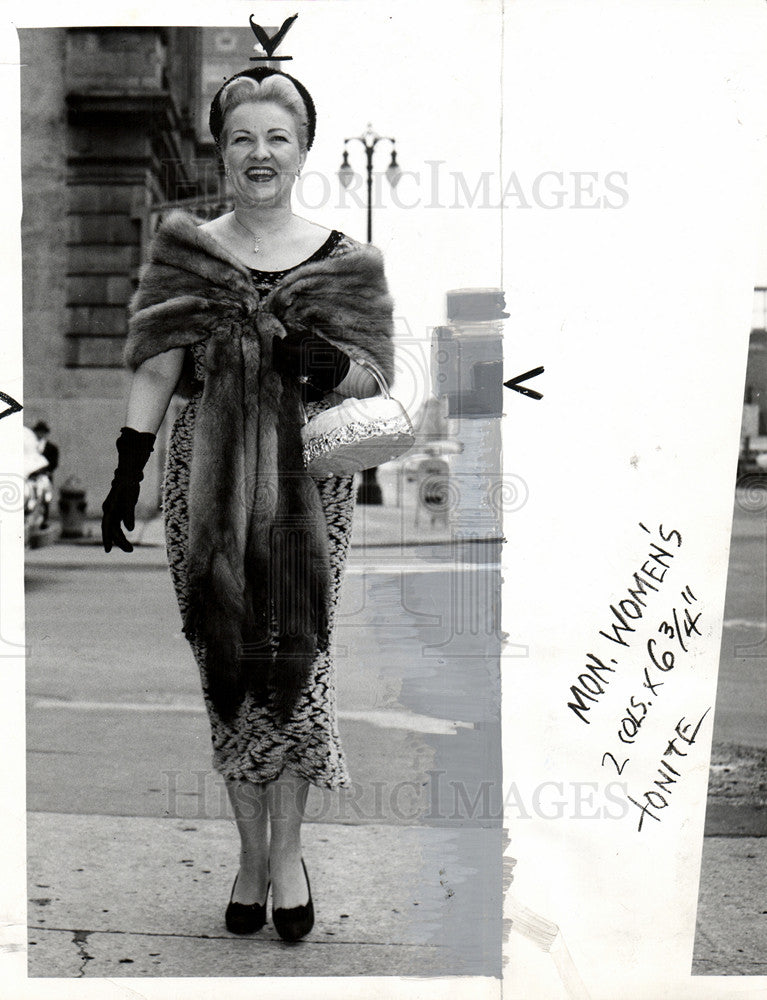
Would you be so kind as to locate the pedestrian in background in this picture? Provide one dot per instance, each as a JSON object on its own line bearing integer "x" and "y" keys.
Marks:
{"x": 255, "y": 316}
{"x": 50, "y": 453}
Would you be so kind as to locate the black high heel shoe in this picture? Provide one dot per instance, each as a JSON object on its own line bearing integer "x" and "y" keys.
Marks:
{"x": 294, "y": 923}
{"x": 246, "y": 918}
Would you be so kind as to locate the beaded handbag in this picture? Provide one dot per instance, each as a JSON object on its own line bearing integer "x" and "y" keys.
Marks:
{"x": 357, "y": 434}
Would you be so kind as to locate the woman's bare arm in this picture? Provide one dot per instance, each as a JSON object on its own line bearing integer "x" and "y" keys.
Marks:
{"x": 151, "y": 389}
{"x": 357, "y": 382}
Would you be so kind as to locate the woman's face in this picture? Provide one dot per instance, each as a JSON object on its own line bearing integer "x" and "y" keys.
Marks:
{"x": 261, "y": 153}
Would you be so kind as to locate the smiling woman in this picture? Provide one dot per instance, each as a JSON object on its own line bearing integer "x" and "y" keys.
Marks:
{"x": 262, "y": 154}
{"x": 273, "y": 313}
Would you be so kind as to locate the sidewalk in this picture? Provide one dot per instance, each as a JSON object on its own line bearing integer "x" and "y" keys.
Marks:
{"x": 147, "y": 898}
{"x": 731, "y": 929}
{"x": 749, "y": 516}
{"x": 399, "y": 522}
{"x": 388, "y": 901}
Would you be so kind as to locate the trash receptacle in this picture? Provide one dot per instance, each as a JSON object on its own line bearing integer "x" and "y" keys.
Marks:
{"x": 72, "y": 507}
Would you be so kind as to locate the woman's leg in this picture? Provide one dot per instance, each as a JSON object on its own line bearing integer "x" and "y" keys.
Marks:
{"x": 249, "y": 802}
{"x": 287, "y": 803}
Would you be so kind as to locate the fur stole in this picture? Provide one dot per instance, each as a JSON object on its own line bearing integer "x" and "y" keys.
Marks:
{"x": 257, "y": 552}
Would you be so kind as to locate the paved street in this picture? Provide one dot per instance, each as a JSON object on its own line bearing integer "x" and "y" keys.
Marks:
{"x": 741, "y": 708}
{"x": 132, "y": 850}
{"x": 731, "y": 936}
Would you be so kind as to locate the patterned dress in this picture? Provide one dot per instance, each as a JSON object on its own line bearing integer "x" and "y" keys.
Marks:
{"x": 255, "y": 746}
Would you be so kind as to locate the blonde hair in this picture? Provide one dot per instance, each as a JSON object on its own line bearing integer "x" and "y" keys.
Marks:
{"x": 244, "y": 90}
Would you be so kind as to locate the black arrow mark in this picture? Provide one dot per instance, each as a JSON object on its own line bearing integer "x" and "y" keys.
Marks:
{"x": 270, "y": 44}
{"x": 13, "y": 406}
{"x": 513, "y": 383}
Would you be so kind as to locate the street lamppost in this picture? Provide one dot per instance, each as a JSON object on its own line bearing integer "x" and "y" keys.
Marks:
{"x": 369, "y": 491}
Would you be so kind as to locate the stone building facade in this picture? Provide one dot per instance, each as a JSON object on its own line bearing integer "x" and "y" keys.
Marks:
{"x": 112, "y": 135}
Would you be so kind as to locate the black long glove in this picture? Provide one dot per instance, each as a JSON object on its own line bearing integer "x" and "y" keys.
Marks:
{"x": 316, "y": 363}
{"x": 133, "y": 449}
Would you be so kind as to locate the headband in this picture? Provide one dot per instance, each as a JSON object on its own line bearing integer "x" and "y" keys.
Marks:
{"x": 259, "y": 73}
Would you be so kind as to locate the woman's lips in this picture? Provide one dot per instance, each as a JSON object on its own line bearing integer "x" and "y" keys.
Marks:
{"x": 260, "y": 173}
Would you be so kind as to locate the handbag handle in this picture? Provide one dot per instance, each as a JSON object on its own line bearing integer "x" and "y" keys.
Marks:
{"x": 375, "y": 371}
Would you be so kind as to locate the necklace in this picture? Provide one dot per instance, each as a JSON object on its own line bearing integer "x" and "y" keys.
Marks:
{"x": 245, "y": 229}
